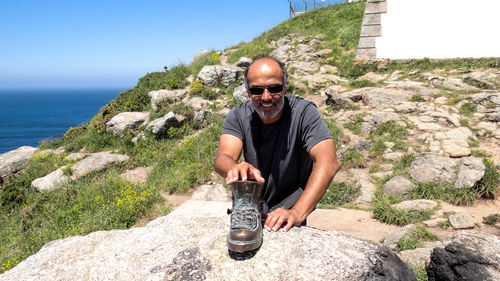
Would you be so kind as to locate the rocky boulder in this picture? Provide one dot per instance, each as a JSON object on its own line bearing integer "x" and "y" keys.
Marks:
{"x": 96, "y": 162}
{"x": 15, "y": 160}
{"x": 398, "y": 186}
{"x": 470, "y": 171}
{"x": 433, "y": 168}
{"x": 466, "y": 255}
{"x": 220, "y": 74}
{"x": 195, "y": 248}
{"x": 50, "y": 181}
{"x": 416, "y": 205}
{"x": 138, "y": 175}
{"x": 126, "y": 121}
{"x": 159, "y": 127}
{"x": 240, "y": 94}
{"x": 171, "y": 95}
{"x": 379, "y": 97}
{"x": 392, "y": 238}
{"x": 244, "y": 62}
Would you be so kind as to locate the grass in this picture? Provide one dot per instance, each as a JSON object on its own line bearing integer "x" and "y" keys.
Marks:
{"x": 420, "y": 272}
{"x": 383, "y": 211}
{"x": 415, "y": 239}
{"x": 468, "y": 109}
{"x": 355, "y": 125}
{"x": 352, "y": 159}
{"x": 339, "y": 193}
{"x": 210, "y": 58}
{"x": 361, "y": 83}
{"x": 417, "y": 98}
{"x": 491, "y": 219}
{"x": 335, "y": 131}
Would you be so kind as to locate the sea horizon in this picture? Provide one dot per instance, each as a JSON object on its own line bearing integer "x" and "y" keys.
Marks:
{"x": 30, "y": 115}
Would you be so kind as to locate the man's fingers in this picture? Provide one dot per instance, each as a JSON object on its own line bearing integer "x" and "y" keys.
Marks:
{"x": 288, "y": 225}
{"x": 278, "y": 223}
{"x": 256, "y": 175}
{"x": 270, "y": 222}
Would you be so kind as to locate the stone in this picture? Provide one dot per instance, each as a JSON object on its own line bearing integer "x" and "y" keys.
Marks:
{"x": 416, "y": 205}
{"x": 470, "y": 171}
{"x": 373, "y": 77}
{"x": 441, "y": 100}
{"x": 322, "y": 53}
{"x": 466, "y": 255}
{"x": 315, "y": 42}
{"x": 452, "y": 83}
{"x": 13, "y": 161}
{"x": 380, "y": 97}
{"x": 490, "y": 126}
{"x": 318, "y": 80}
{"x": 392, "y": 155}
{"x": 244, "y": 62}
{"x": 419, "y": 256}
{"x": 281, "y": 53}
{"x": 304, "y": 49}
{"x": 97, "y": 162}
{"x": 434, "y": 222}
{"x": 461, "y": 221}
{"x": 198, "y": 103}
{"x": 304, "y": 67}
{"x": 126, "y": 121}
{"x": 433, "y": 168}
{"x": 329, "y": 69}
{"x": 366, "y": 185}
{"x": 335, "y": 100}
{"x": 194, "y": 247}
{"x": 392, "y": 238}
{"x": 50, "y": 181}
{"x": 211, "y": 192}
{"x": 240, "y": 94}
{"x": 224, "y": 75}
{"x": 138, "y": 175}
{"x": 456, "y": 148}
{"x": 375, "y": 118}
{"x": 406, "y": 107}
{"x": 171, "y": 95}
{"x": 425, "y": 125}
{"x": 159, "y": 127}
{"x": 75, "y": 156}
{"x": 398, "y": 186}
{"x": 200, "y": 115}
{"x": 414, "y": 87}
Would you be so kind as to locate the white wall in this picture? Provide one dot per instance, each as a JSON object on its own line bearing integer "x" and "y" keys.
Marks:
{"x": 440, "y": 29}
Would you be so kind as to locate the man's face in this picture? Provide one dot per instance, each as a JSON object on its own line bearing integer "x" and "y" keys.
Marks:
{"x": 265, "y": 75}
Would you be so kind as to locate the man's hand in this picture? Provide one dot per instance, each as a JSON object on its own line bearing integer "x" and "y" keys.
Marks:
{"x": 243, "y": 171}
{"x": 278, "y": 217}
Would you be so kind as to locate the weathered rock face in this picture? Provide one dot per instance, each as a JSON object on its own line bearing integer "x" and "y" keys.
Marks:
{"x": 466, "y": 255}
{"x": 159, "y": 127}
{"x": 218, "y": 74}
{"x": 173, "y": 95}
{"x": 391, "y": 240}
{"x": 399, "y": 186}
{"x": 416, "y": 205}
{"x": 470, "y": 171}
{"x": 97, "y": 162}
{"x": 126, "y": 121}
{"x": 379, "y": 97}
{"x": 240, "y": 94}
{"x": 433, "y": 168}
{"x": 15, "y": 160}
{"x": 195, "y": 248}
{"x": 50, "y": 181}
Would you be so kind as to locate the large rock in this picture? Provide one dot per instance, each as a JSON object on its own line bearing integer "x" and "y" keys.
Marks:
{"x": 398, "y": 186}
{"x": 461, "y": 221}
{"x": 50, "y": 181}
{"x": 240, "y": 94}
{"x": 375, "y": 118}
{"x": 379, "y": 97}
{"x": 414, "y": 87}
{"x": 220, "y": 74}
{"x": 159, "y": 127}
{"x": 416, "y": 205}
{"x": 97, "y": 162}
{"x": 126, "y": 121}
{"x": 366, "y": 185}
{"x": 195, "y": 248}
{"x": 470, "y": 171}
{"x": 433, "y": 168}
{"x": 211, "y": 192}
{"x": 171, "y": 95}
{"x": 15, "y": 160}
{"x": 466, "y": 255}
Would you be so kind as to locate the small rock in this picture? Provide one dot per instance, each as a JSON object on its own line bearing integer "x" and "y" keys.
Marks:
{"x": 240, "y": 94}
{"x": 416, "y": 205}
{"x": 198, "y": 103}
{"x": 461, "y": 221}
{"x": 244, "y": 62}
{"x": 159, "y": 127}
{"x": 470, "y": 171}
{"x": 433, "y": 168}
{"x": 399, "y": 186}
{"x": 126, "y": 121}
{"x": 392, "y": 155}
{"x": 441, "y": 100}
{"x": 392, "y": 238}
{"x": 172, "y": 95}
{"x": 434, "y": 222}
{"x": 96, "y": 162}
{"x": 50, "y": 181}
{"x": 200, "y": 115}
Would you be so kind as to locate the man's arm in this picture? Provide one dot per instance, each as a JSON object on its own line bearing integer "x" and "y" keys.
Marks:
{"x": 325, "y": 168}
{"x": 226, "y": 161}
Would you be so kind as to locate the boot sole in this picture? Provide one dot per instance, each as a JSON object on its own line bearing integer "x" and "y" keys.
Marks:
{"x": 240, "y": 247}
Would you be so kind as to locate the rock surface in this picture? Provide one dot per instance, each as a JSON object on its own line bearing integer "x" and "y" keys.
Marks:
{"x": 159, "y": 127}
{"x": 391, "y": 240}
{"x": 433, "y": 168}
{"x": 194, "y": 248}
{"x": 211, "y": 192}
{"x": 416, "y": 205}
{"x": 399, "y": 186}
{"x": 461, "y": 221}
{"x": 50, "y": 181}
{"x": 97, "y": 162}
{"x": 126, "y": 121}
{"x": 220, "y": 74}
{"x": 466, "y": 255}
{"x": 470, "y": 171}
{"x": 15, "y": 160}
{"x": 137, "y": 175}
{"x": 172, "y": 95}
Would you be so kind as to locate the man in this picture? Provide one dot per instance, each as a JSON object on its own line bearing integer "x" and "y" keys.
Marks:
{"x": 286, "y": 144}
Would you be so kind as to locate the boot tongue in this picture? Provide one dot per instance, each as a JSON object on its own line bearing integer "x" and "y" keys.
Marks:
{"x": 244, "y": 215}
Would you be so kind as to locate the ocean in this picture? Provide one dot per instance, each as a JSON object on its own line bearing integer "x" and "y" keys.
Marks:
{"x": 28, "y": 116}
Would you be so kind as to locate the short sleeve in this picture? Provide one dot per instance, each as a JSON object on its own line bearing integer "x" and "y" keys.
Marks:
{"x": 232, "y": 124}
{"x": 312, "y": 128}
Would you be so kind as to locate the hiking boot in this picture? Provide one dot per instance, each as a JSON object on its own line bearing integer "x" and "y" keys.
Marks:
{"x": 245, "y": 233}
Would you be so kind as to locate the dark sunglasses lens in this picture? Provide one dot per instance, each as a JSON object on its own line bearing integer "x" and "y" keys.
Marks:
{"x": 275, "y": 89}
{"x": 256, "y": 90}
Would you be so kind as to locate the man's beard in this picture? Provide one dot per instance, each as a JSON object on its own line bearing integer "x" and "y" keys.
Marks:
{"x": 266, "y": 115}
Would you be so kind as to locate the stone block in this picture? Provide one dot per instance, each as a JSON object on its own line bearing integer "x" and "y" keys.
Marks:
{"x": 366, "y": 54}
{"x": 375, "y": 7}
{"x": 371, "y": 19}
{"x": 371, "y": 30}
{"x": 366, "y": 42}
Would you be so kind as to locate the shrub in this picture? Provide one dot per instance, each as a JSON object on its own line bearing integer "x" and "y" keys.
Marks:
{"x": 339, "y": 193}
{"x": 198, "y": 88}
{"x": 488, "y": 186}
{"x": 491, "y": 219}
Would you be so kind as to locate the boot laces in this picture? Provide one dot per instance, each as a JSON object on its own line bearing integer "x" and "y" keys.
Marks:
{"x": 244, "y": 216}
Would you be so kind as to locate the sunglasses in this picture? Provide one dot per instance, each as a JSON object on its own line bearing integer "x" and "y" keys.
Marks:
{"x": 273, "y": 89}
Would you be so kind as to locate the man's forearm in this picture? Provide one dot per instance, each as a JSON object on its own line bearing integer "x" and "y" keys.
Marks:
{"x": 319, "y": 180}
{"x": 223, "y": 163}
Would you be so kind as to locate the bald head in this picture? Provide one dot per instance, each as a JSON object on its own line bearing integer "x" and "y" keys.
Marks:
{"x": 266, "y": 68}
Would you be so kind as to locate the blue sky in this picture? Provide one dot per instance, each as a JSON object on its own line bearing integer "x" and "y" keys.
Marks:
{"x": 110, "y": 43}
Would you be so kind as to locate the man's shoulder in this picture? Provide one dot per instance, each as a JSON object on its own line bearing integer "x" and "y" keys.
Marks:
{"x": 299, "y": 104}
{"x": 243, "y": 109}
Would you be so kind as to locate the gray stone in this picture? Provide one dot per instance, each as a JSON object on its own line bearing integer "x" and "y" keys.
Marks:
{"x": 392, "y": 238}
{"x": 371, "y": 30}
{"x": 190, "y": 247}
{"x": 371, "y": 19}
{"x": 138, "y": 175}
{"x": 372, "y": 77}
{"x": 414, "y": 87}
{"x": 304, "y": 67}
{"x": 433, "y": 168}
{"x": 419, "y": 256}
{"x": 159, "y": 127}
{"x": 97, "y": 162}
{"x": 461, "y": 221}
{"x": 240, "y": 94}
{"x": 322, "y": 53}
{"x": 399, "y": 186}
{"x": 318, "y": 80}
{"x": 380, "y": 97}
{"x": 76, "y": 156}
{"x": 367, "y": 54}
{"x": 126, "y": 121}
{"x": 470, "y": 171}
{"x": 376, "y": 7}
{"x": 244, "y": 62}
{"x": 198, "y": 103}
{"x": 335, "y": 100}
{"x": 172, "y": 95}
{"x": 50, "y": 181}
{"x": 416, "y": 205}
{"x": 224, "y": 75}
{"x": 366, "y": 185}
{"x": 211, "y": 192}
{"x": 304, "y": 49}
{"x": 466, "y": 255}
{"x": 392, "y": 155}
{"x": 281, "y": 53}
{"x": 200, "y": 115}
{"x": 375, "y": 118}
{"x": 13, "y": 161}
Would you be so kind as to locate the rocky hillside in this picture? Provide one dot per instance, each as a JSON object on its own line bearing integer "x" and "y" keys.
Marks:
{"x": 410, "y": 137}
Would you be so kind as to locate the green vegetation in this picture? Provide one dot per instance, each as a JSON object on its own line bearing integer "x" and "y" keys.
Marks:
{"x": 417, "y": 98}
{"x": 415, "y": 239}
{"x": 468, "y": 109}
{"x": 387, "y": 132}
{"x": 361, "y": 83}
{"x": 198, "y": 88}
{"x": 384, "y": 212}
{"x": 210, "y": 58}
{"x": 420, "y": 272}
{"x": 477, "y": 83}
{"x": 335, "y": 131}
{"x": 426, "y": 65}
{"x": 355, "y": 125}
{"x": 339, "y": 193}
{"x": 352, "y": 159}
{"x": 491, "y": 219}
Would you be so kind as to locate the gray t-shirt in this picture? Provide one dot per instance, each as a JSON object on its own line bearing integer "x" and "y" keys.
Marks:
{"x": 279, "y": 150}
